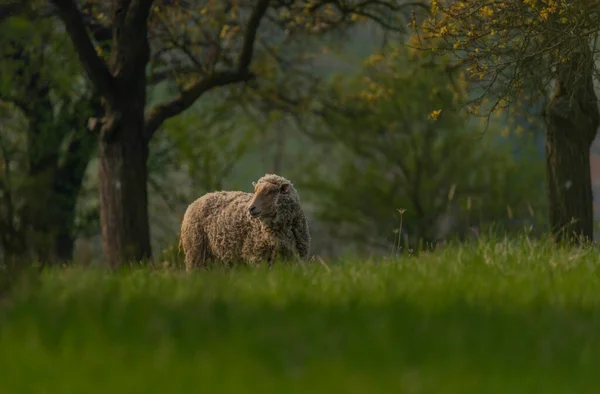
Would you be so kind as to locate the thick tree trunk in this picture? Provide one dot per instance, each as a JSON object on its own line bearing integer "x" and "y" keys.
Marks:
{"x": 569, "y": 182}
{"x": 123, "y": 152}
{"x": 123, "y": 142}
{"x": 572, "y": 120}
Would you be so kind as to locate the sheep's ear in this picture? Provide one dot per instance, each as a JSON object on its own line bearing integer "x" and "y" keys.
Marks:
{"x": 285, "y": 188}
{"x": 254, "y": 184}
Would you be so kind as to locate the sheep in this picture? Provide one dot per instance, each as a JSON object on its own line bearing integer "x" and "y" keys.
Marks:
{"x": 234, "y": 226}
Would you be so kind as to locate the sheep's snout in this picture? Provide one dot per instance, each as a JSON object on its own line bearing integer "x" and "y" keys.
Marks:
{"x": 263, "y": 201}
{"x": 254, "y": 212}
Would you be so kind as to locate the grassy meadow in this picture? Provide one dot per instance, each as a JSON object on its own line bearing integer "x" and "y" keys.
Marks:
{"x": 488, "y": 317}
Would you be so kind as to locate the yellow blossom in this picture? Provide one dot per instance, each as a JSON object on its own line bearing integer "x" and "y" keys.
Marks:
{"x": 435, "y": 114}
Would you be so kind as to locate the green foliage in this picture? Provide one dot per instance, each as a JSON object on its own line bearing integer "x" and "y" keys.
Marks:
{"x": 37, "y": 51}
{"x": 45, "y": 145}
{"x": 513, "y": 49}
{"x": 506, "y": 316}
{"x": 11, "y": 183}
{"x": 449, "y": 174}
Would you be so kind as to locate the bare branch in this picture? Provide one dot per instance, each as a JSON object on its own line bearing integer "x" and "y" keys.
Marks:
{"x": 188, "y": 96}
{"x": 250, "y": 37}
{"x": 157, "y": 77}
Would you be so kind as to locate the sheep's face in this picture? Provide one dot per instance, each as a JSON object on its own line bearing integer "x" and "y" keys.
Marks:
{"x": 266, "y": 197}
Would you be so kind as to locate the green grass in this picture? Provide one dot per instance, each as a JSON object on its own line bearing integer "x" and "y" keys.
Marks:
{"x": 492, "y": 317}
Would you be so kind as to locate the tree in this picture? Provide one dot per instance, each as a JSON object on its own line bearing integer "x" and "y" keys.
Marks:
{"x": 201, "y": 46}
{"x": 527, "y": 50}
{"x": 385, "y": 154}
{"x": 50, "y": 148}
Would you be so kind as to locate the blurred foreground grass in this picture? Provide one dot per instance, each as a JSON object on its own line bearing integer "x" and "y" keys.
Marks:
{"x": 493, "y": 317}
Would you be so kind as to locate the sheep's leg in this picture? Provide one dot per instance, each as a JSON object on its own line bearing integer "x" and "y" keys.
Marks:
{"x": 199, "y": 254}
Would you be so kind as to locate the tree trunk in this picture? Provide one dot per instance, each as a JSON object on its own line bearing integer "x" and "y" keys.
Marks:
{"x": 123, "y": 153}
{"x": 70, "y": 175}
{"x": 572, "y": 120}
{"x": 44, "y": 138}
{"x": 64, "y": 239}
{"x": 123, "y": 145}
{"x": 54, "y": 178}
{"x": 67, "y": 185}
{"x": 569, "y": 182}
{"x": 123, "y": 142}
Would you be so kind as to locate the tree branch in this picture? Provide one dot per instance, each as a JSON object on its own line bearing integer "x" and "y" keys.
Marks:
{"x": 188, "y": 96}
{"x": 100, "y": 31}
{"x": 138, "y": 12}
{"x": 95, "y": 67}
{"x": 156, "y": 77}
{"x": 250, "y": 38}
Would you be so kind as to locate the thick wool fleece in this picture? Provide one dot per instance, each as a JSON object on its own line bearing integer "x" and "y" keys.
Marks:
{"x": 219, "y": 227}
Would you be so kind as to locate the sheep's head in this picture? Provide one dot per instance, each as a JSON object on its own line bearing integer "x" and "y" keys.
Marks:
{"x": 272, "y": 194}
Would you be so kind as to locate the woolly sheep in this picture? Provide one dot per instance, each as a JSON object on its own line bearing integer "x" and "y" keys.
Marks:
{"x": 233, "y": 226}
